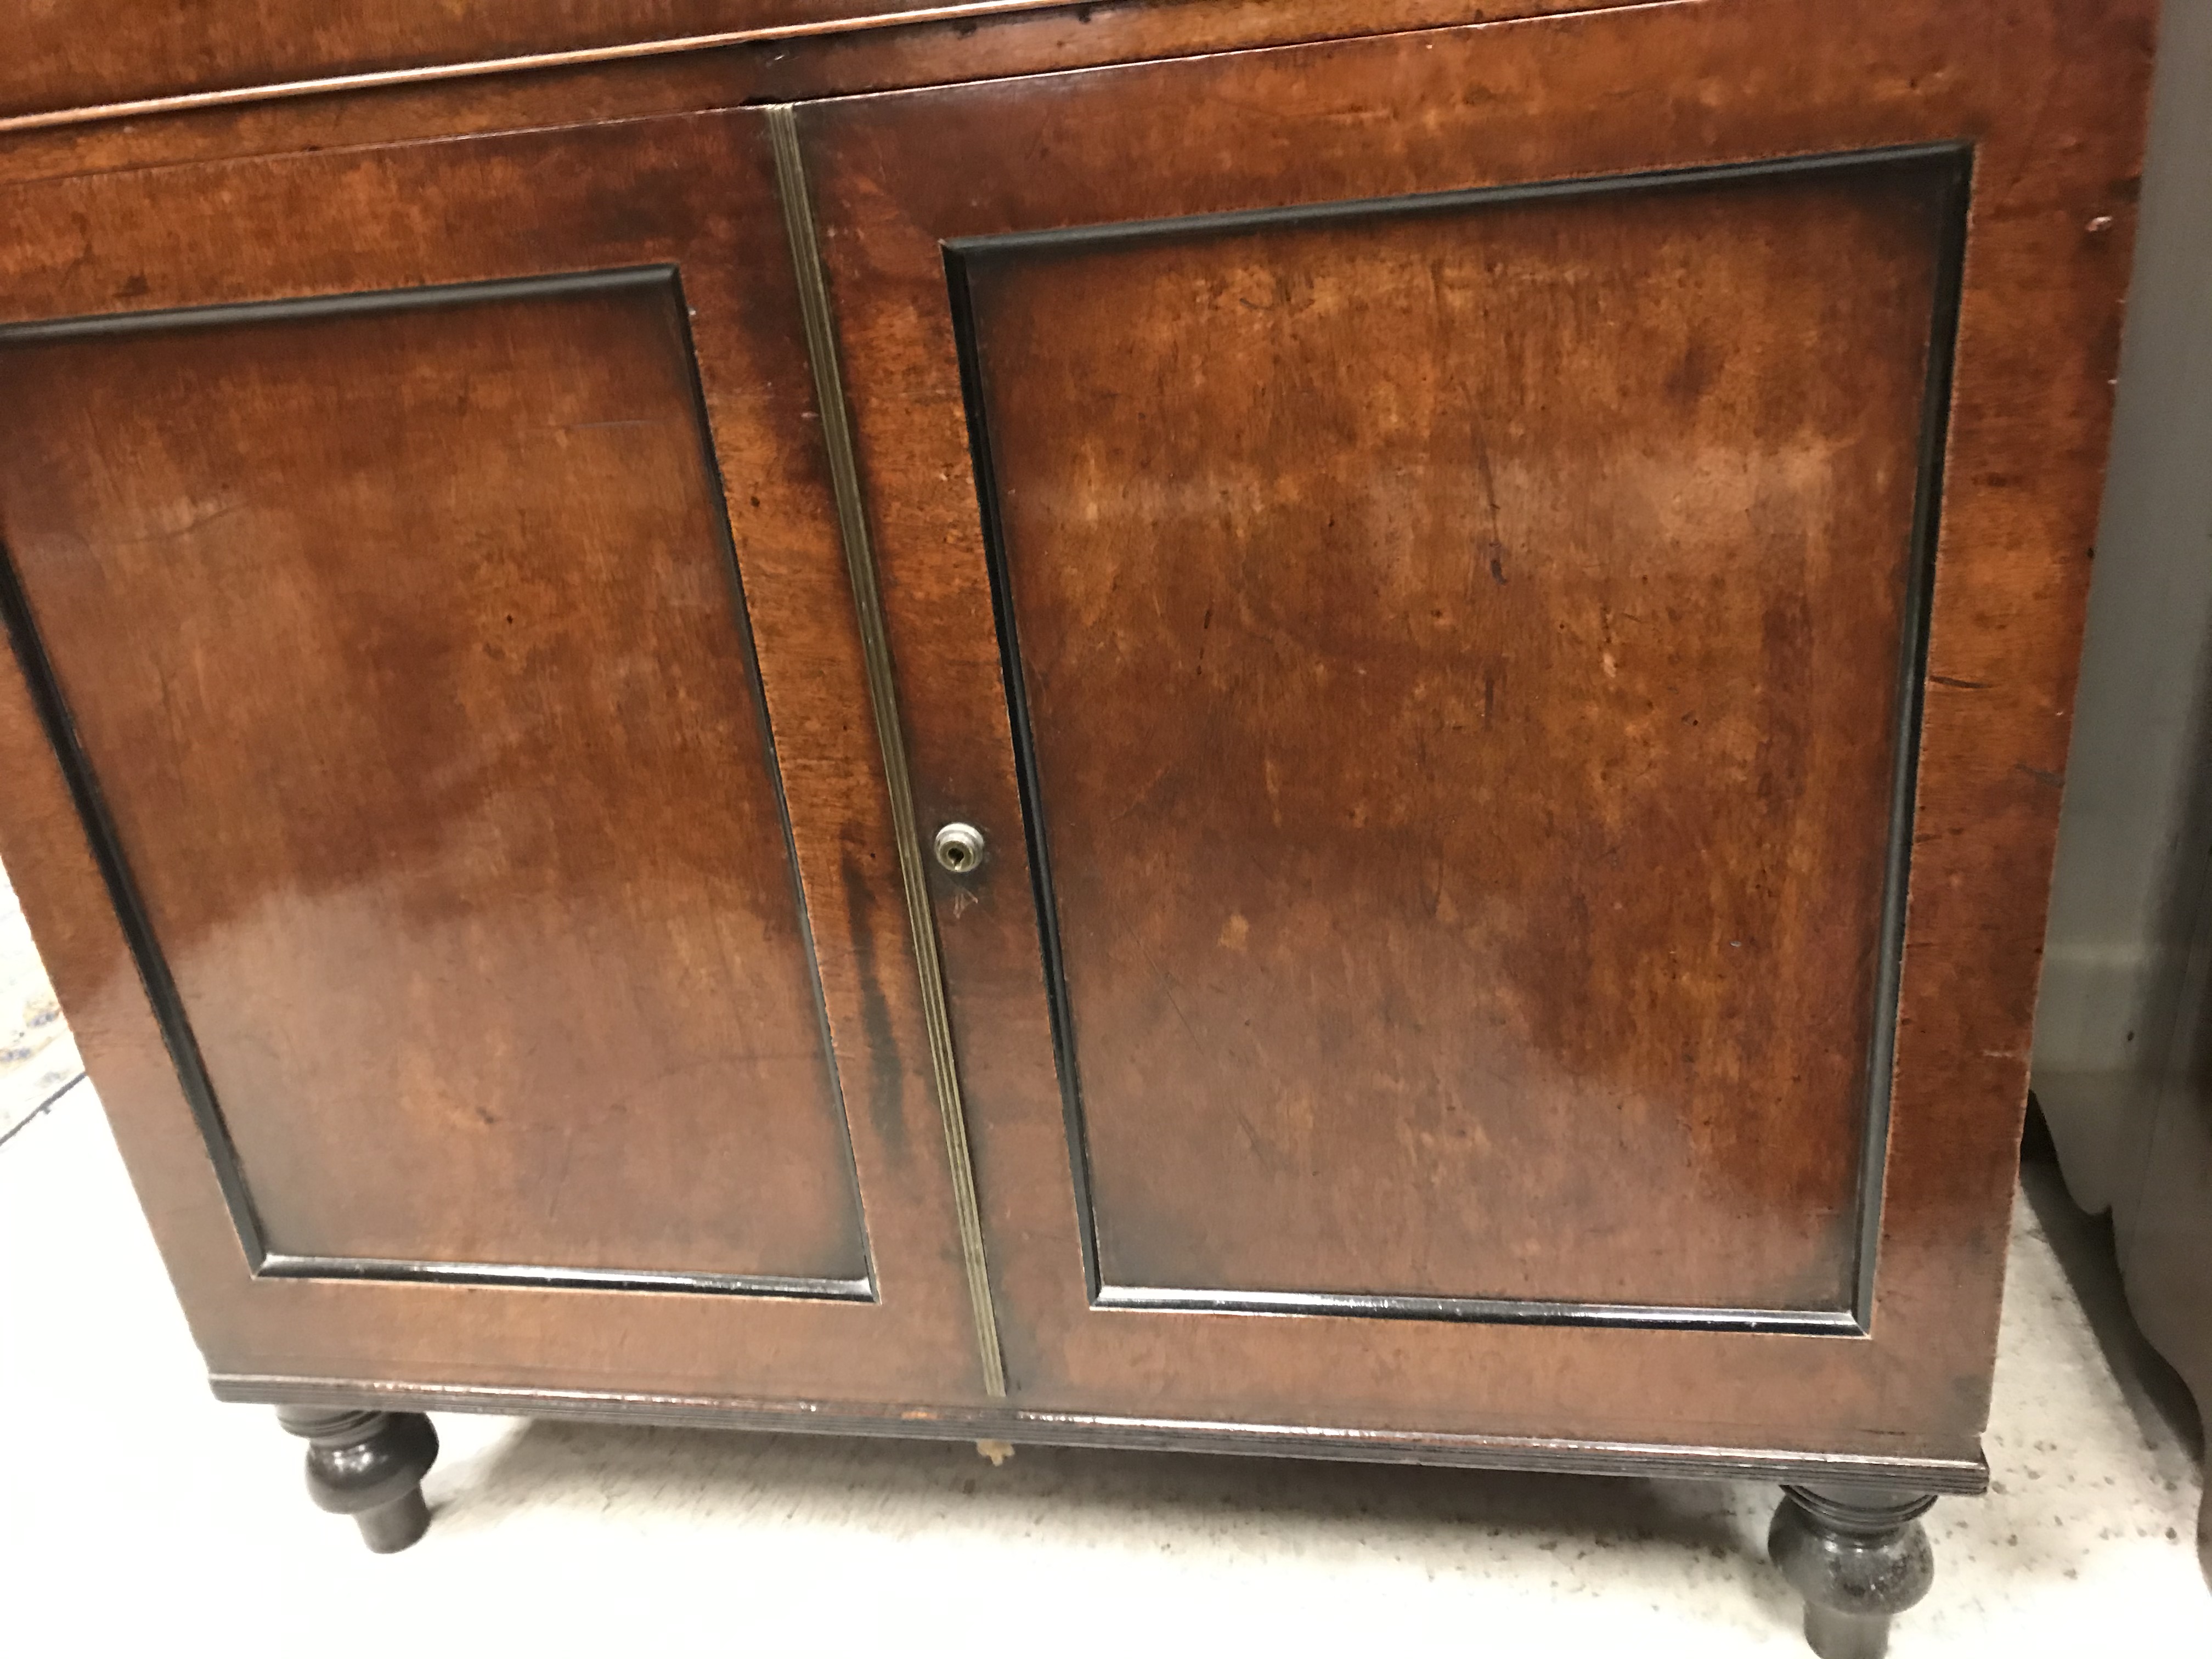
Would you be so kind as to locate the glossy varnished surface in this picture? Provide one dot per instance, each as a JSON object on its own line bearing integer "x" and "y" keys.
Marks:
{"x": 2047, "y": 91}
{"x": 73, "y": 58}
{"x": 407, "y": 658}
{"x": 1614, "y": 94}
{"x": 1460, "y": 653}
{"x": 99, "y": 52}
{"x": 448, "y": 891}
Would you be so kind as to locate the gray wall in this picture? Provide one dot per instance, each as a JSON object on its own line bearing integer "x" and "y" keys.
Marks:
{"x": 2135, "y": 833}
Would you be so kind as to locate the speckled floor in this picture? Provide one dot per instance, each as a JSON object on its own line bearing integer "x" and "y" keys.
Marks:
{"x": 137, "y": 1516}
{"x": 38, "y": 1059}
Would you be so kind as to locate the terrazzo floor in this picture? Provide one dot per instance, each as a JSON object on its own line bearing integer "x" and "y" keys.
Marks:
{"x": 139, "y": 1517}
{"x": 38, "y": 1057}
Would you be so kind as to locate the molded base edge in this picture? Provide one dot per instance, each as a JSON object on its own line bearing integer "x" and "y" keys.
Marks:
{"x": 1966, "y": 1474}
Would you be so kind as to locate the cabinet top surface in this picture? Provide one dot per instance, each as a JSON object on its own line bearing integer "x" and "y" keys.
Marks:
{"x": 93, "y": 55}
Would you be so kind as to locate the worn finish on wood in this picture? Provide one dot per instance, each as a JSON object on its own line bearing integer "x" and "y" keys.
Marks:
{"x": 1460, "y": 653}
{"x": 863, "y": 60}
{"x": 891, "y": 735}
{"x": 1859, "y": 1557}
{"x": 486, "y": 929}
{"x": 1001, "y": 1420}
{"x": 369, "y": 1465}
{"x": 102, "y": 52}
{"x": 485, "y": 843}
{"x": 1522, "y": 413}
{"x": 898, "y": 177}
{"x": 108, "y": 59}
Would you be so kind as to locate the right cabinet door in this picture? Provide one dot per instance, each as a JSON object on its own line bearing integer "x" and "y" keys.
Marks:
{"x": 1502, "y": 600}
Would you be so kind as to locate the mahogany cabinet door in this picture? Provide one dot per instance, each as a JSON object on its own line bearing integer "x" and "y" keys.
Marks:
{"x": 1503, "y": 601}
{"x": 443, "y": 777}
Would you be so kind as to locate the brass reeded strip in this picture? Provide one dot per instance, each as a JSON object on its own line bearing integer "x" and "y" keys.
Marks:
{"x": 860, "y": 562}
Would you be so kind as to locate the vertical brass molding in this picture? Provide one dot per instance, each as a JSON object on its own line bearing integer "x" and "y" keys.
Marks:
{"x": 860, "y": 564}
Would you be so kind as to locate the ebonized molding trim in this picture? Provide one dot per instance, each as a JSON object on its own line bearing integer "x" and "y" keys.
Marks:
{"x": 1486, "y": 1311}
{"x": 1964, "y": 1473}
{"x": 20, "y": 625}
{"x": 1952, "y": 161}
{"x": 276, "y": 1265}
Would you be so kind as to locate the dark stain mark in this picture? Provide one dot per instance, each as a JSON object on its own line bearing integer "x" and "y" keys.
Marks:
{"x": 1492, "y": 551}
{"x": 2051, "y": 778}
{"x": 1689, "y": 378}
{"x": 886, "y": 1107}
{"x": 1963, "y": 686}
{"x": 132, "y": 290}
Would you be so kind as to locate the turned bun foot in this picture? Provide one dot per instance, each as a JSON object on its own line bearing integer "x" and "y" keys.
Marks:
{"x": 1859, "y": 1556}
{"x": 369, "y": 1465}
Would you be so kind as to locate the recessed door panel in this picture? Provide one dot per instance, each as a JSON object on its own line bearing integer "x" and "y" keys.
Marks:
{"x": 1459, "y": 646}
{"x": 406, "y": 654}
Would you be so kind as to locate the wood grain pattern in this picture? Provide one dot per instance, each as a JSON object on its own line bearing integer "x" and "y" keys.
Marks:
{"x": 1594, "y": 94}
{"x": 97, "y": 51}
{"x": 407, "y": 658}
{"x": 108, "y": 58}
{"x": 656, "y": 704}
{"x": 1897, "y": 1465}
{"x": 562, "y": 170}
{"x": 1462, "y": 653}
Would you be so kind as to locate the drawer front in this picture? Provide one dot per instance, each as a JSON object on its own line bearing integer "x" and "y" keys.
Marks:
{"x": 1495, "y": 604}
{"x": 475, "y": 886}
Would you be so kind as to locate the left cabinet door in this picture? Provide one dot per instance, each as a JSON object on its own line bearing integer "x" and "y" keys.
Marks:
{"x": 441, "y": 772}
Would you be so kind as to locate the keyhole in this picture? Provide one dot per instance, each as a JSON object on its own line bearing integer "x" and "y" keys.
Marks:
{"x": 959, "y": 848}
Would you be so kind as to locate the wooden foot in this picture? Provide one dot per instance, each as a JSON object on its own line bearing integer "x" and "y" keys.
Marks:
{"x": 1859, "y": 1556}
{"x": 369, "y": 1465}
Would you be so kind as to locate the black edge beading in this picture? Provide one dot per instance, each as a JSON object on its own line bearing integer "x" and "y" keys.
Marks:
{"x": 147, "y": 955}
{"x": 961, "y": 253}
{"x": 1911, "y": 695}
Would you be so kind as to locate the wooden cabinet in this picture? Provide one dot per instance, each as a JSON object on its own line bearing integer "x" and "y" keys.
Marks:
{"x": 1208, "y": 735}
